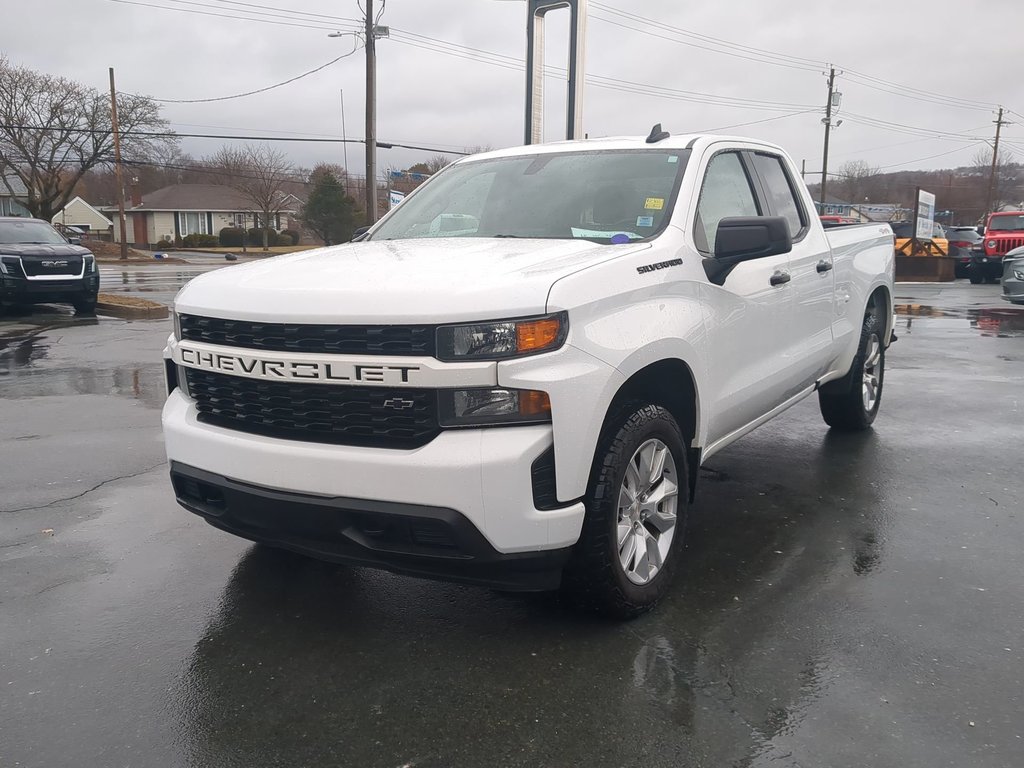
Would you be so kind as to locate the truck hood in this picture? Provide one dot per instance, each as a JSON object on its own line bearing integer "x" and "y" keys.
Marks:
{"x": 397, "y": 281}
{"x": 42, "y": 249}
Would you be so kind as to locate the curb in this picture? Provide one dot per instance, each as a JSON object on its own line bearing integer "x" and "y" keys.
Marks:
{"x": 146, "y": 310}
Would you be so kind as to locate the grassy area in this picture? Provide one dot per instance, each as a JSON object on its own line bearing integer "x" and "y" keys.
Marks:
{"x": 251, "y": 250}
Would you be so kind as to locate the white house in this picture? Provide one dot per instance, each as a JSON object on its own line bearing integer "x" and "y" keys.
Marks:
{"x": 78, "y": 213}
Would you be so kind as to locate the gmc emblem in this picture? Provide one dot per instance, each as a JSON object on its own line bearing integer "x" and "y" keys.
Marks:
{"x": 55, "y": 263}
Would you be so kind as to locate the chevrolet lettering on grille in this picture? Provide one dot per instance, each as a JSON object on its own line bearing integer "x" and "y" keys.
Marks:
{"x": 281, "y": 369}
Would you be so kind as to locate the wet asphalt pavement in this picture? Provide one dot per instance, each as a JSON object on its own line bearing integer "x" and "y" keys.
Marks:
{"x": 845, "y": 600}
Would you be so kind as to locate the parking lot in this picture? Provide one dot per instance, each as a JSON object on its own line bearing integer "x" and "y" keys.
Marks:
{"x": 846, "y": 600}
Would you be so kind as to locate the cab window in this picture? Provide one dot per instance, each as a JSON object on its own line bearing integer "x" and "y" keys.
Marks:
{"x": 780, "y": 192}
{"x": 726, "y": 192}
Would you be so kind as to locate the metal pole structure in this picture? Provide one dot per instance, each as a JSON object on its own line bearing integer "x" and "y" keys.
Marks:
{"x": 537, "y": 10}
{"x": 371, "y": 118}
{"x": 117, "y": 167}
{"x": 995, "y": 161}
{"x": 344, "y": 138}
{"x": 828, "y": 130}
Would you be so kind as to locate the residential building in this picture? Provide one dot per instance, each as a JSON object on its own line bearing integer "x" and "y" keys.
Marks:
{"x": 187, "y": 209}
{"x": 79, "y": 214}
{"x": 13, "y": 196}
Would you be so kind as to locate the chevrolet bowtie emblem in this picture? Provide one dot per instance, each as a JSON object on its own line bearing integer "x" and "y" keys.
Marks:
{"x": 398, "y": 404}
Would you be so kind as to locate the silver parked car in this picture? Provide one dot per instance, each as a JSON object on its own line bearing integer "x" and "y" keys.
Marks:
{"x": 1013, "y": 276}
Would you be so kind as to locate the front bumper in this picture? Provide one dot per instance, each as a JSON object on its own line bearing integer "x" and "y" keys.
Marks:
{"x": 484, "y": 475}
{"x": 20, "y": 290}
{"x": 418, "y": 540}
{"x": 988, "y": 266}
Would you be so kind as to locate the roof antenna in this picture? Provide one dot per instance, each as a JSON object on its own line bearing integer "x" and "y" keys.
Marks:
{"x": 657, "y": 134}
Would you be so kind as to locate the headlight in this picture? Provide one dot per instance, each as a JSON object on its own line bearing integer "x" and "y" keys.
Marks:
{"x": 991, "y": 243}
{"x": 177, "y": 325}
{"x": 1018, "y": 274}
{"x": 493, "y": 407}
{"x": 501, "y": 340}
{"x": 90, "y": 263}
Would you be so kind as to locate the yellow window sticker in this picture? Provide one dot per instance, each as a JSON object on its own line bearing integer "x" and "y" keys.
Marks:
{"x": 654, "y": 203}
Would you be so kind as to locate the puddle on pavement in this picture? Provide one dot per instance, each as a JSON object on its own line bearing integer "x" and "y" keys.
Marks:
{"x": 1001, "y": 322}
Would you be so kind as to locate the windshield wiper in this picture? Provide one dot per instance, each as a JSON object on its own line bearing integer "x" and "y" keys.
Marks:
{"x": 504, "y": 235}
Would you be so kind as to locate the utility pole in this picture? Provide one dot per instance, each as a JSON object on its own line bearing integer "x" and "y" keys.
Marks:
{"x": 828, "y": 130}
{"x": 995, "y": 161}
{"x": 117, "y": 166}
{"x": 371, "y": 117}
{"x": 344, "y": 141}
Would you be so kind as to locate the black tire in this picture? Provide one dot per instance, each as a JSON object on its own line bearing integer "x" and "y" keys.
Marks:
{"x": 975, "y": 278}
{"x": 85, "y": 306}
{"x": 842, "y": 402}
{"x": 595, "y": 579}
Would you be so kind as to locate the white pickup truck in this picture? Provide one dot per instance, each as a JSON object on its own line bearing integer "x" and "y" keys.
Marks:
{"x": 523, "y": 400}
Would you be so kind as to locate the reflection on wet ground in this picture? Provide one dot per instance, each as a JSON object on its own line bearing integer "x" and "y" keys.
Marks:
{"x": 29, "y": 367}
{"x": 147, "y": 281}
{"x": 1003, "y": 322}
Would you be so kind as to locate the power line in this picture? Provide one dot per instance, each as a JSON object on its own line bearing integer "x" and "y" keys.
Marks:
{"x": 731, "y": 49}
{"x": 172, "y": 135}
{"x": 777, "y": 59}
{"x": 261, "y": 90}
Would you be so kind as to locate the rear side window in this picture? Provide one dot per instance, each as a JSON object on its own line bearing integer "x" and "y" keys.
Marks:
{"x": 780, "y": 192}
{"x": 726, "y": 192}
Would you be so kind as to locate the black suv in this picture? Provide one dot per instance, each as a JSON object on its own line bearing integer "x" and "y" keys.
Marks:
{"x": 38, "y": 265}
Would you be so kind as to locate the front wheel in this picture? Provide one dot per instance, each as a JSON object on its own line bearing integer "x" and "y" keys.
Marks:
{"x": 85, "y": 305}
{"x": 636, "y": 505}
{"x": 975, "y": 278}
{"x": 851, "y": 403}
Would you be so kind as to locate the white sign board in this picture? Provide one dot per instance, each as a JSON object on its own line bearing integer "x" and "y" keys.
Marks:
{"x": 925, "y": 223}
{"x": 394, "y": 198}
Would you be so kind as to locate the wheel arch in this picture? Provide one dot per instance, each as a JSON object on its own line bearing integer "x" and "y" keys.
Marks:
{"x": 671, "y": 383}
{"x": 880, "y": 300}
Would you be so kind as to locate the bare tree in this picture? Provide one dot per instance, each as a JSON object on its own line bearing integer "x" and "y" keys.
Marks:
{"x": 854, "y": 177}
{"x": 262, "y": 174}
{"x": 1006, "y": 175}
{"x": 54, "y": 130}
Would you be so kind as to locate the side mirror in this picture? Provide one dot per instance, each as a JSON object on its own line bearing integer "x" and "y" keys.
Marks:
{"x": 357, "y": 235}
{"x": 75, "y": 240}
{"x": 744, "y": 238}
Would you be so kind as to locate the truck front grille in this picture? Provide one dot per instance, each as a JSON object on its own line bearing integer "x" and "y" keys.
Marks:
{"x": 378, "y": 417}
{"x": 293, "y": 337}
{"x": 37, "y": 266}
{"x": 1005, "y": 245}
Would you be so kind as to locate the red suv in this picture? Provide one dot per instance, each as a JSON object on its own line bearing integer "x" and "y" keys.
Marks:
{"x": 1003, "y": 233}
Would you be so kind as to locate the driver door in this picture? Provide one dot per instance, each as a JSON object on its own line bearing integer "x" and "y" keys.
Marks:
{"x": 747, "y": 316}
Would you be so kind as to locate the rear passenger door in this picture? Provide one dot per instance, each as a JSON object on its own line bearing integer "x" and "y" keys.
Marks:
{"x": 747, "y": 315}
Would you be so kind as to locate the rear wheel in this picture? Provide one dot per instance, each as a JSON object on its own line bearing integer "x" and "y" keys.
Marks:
{"x": 633, "y": 531}
{"x": 852, "y": 403}
{"x": 975, "y": 278}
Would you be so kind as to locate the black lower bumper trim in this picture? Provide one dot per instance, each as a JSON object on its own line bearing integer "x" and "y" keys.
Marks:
{"x": 412, "y": 539}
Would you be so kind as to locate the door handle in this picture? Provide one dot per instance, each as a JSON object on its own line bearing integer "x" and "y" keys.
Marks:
{"x": 780, "y": 278}
{"x": 824, "y": 266}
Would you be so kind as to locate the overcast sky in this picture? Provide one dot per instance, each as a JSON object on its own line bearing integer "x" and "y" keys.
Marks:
{"x": 448, "y": 78}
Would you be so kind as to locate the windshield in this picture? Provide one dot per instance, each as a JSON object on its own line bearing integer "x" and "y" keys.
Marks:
{"x": 1011, "y": 223}
{"x": 609, "y": 197}
{"x": 29, "y": 231}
